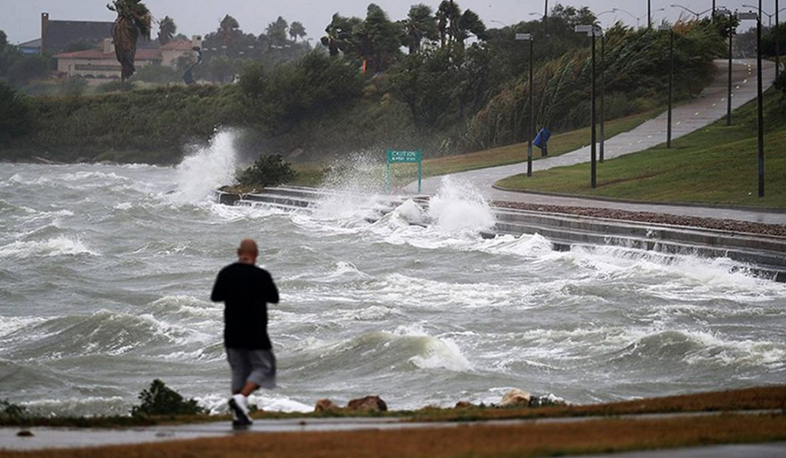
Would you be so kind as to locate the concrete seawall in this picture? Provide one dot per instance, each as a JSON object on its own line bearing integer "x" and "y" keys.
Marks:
{"x": 765, "y": 255}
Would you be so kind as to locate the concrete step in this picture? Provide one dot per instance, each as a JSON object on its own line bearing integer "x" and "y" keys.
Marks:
{"x": 767, "y": 254}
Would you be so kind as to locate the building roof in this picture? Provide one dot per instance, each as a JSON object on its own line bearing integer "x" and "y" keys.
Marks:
{"x": 60, "y": 34}
{"x": 98, "y": 54}
{"x": 177, "y": 45}
{"x": 31, "y": 44}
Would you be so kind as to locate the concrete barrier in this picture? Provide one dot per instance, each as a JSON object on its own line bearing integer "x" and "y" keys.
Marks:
{"x": 766, "y": 255}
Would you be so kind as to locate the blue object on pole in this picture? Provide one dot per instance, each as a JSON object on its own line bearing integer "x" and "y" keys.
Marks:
{"x": 542, "y": 138}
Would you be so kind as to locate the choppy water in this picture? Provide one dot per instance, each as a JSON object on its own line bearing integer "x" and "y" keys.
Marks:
{"x": 105, "y": 277}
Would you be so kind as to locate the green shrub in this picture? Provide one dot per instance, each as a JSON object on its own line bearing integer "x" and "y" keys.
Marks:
{"x": 267, "y": 171}
{"x": 157, "y": 74}
{"x": 780, "y": 83}
{"x": 11, "y": 411}
{"x": 15, "y": 117}
{"x": 73, "y": 87}
{"x": 115, "y": 86}
{"x": 162, "y": 400}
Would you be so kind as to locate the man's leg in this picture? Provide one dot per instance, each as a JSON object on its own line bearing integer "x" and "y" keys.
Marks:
{"x": 241, "y": 370}
{"x": 249, "y": 388}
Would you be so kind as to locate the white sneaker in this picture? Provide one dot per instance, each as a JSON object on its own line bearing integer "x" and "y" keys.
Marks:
{"x": 239, "y": 406}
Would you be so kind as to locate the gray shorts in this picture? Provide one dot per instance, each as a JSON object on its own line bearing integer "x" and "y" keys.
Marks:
{"x": 256, "y": 366}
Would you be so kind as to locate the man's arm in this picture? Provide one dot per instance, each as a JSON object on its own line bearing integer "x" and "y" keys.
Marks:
{"x": 219, "y": 289}
{"x": 272, "y": 291}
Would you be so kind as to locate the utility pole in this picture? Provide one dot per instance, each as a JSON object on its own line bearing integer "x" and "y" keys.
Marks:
{"x": 545, "y": 20}
{"x": 593, "y": 152}
{"x": 649, "y": 14}
{"x": 593, "y": 31}
{"x": 529, "y": 37}
{"x": 777, "y": 43}
{"x": 761, "y": 103}
{"x": 731, "y": 45}
{"x": 602, "y": 96}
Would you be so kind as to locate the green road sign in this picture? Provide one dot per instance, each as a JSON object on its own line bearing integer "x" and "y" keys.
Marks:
{"x": 405, "y": 157}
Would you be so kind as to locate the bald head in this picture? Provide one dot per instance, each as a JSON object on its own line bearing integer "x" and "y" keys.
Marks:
{"x": 247, "y": 252}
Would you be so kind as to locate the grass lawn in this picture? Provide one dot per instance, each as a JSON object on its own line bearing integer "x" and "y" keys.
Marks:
{"x": 312, "y": 174}
{"x": 715, "y": 165}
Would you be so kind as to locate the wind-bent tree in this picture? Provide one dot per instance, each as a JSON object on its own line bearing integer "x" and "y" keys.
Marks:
{"x": 133, "y": 19}
{"x": 166, "y": 30}
{"x": 420, "y": 24}
{"x": 340, "y": 35}
{"x": 379, "y": 39}
{"x": 448, "y": 15}
{"x": 277, "y": 32}
{"x": 470, "y": 23}
{"x": 296, "y": 30}
{"x": 229, "y": 28}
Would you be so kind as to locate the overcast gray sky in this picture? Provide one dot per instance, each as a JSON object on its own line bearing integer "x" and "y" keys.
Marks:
{"x": 20, "y": 19}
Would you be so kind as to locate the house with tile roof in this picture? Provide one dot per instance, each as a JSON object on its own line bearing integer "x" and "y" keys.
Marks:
{"x": 102, "y": 63}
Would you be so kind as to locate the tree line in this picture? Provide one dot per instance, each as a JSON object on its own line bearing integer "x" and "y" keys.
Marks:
{"x": 438, "y": 79}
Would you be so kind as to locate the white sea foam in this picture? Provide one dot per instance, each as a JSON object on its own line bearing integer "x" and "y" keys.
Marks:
{"x": 9, "y": 325}
{"x": 208, "y": 168}
{"x": 437, "y": 353}
{"x": 217, "y": 403}
{"x": 459, "y": 206}
{"x": 58, "y": 246}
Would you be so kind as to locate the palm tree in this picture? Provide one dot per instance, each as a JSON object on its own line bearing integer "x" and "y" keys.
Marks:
{"x": 419, "y": 25}
{"x": 277, "y": 32}
{"x": 340, "y": 35}
{"x": 448, "y": 15}
{"x": 296, "y": 30}
{"x": 470, "y": 23}
{"x": 228, "y": 27}
{"x": 166, "y": 30}
{"x": 133, "y": 19}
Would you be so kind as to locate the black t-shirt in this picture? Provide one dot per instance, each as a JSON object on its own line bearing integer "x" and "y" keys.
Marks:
{"x": 245, "y": 290}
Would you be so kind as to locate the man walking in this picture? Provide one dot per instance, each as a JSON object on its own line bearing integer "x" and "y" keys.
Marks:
{"x": 246, "y": 290}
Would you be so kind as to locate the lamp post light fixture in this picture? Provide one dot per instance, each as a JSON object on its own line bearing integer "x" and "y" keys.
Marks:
{"x": 592, "y": 31}
{"x": 638, "y": 18}
{"x": 777, "y": 34}
{"x": 691, "y": 11}
{"x": 764, "y": 13}
{"x": 760, "y": 110}
{"x": 529, "y": 37}
{"x": 671, "y": 80}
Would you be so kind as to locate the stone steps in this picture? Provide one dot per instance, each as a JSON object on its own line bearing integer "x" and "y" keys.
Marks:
{"x": 765, "y": 254}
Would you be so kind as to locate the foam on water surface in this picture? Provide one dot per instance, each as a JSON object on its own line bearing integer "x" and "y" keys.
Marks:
{"x": 106, "y": 281}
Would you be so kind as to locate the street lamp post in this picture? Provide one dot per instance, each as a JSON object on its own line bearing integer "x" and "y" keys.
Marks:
{"x": 602, "y": 96}
{"x": 760, "y": 110}
{"x": 649, "y": 14}
{"x": 529, "y": 37}
{"x": 777, "y": 34}
{"x": 593, "y": 31}
{"x": 724, "y": 12}
{"x": 671, "y": 81}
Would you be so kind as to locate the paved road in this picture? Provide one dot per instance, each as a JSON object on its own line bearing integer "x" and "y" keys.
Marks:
{"x": 773, "y": 450}
{"x": 57, "y": 438}
{"x": 709, "y": 107}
